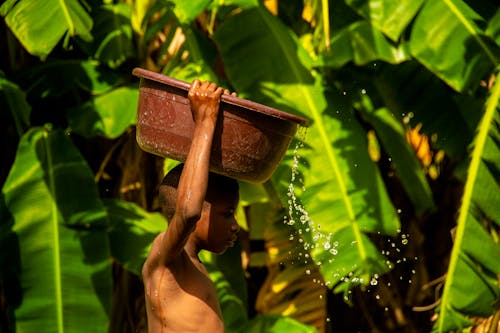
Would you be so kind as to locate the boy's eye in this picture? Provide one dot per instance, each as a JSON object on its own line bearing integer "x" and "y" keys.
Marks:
{"x": 229, "y": 213}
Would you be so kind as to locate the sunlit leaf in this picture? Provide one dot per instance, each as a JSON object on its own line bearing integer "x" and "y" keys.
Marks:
{"x": 106, "y": 115}
{"x": 139, "y": 12}
{"x": 344, "y": 193}
{"x": 62, "y": 246}
{"x": 40, "y": 25}
{"x": 454, "y": 47}
{"x": 474, "y": 257}
{"x": 187, "y": 11}
{"x": 389, "y": 16}
{"x": 361, "y": 44}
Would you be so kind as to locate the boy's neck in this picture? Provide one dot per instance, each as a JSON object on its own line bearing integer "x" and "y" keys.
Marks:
{"x": 192, "y": 250}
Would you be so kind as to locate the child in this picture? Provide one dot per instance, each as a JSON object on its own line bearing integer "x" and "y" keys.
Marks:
{"x": 200, "y": 207}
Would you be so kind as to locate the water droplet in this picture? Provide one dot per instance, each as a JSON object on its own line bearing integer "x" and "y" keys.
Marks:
{"x": 363, "y": 91}
{"x": 373, "y": 281}
{"x": 404, "y": 241}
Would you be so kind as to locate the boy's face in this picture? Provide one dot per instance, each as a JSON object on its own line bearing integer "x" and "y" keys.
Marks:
{"x": 217, "y": 228}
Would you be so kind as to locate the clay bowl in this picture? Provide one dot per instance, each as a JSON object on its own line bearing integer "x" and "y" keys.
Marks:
{"x": 250, "y": 139}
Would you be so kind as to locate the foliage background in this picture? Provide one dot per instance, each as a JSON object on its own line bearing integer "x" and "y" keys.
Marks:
{"x": 389, "y": 224}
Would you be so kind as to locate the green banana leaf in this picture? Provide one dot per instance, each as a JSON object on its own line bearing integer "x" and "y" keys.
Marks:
{"x": 493, "y": 29}
{"x": 40, "y": 25}
{"x": 60, "y": 227}
{"x": 112, "y": 32}
{"x": 13, "y": 99}
{"x": 187, "y": 11}
{"x": 389, "y": 16}
{"x": 471, "y": 286}
{"x": 361, "y": 44}
{"x": 131, "y": 233}
{"x": 409, "y": 170}
{"x": 345, "y": 194}
{"x": 107, "y": 115}
{"x": 454, "y": 47}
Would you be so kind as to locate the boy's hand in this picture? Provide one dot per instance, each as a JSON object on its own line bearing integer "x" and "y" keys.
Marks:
{"x": 205, "y": 99}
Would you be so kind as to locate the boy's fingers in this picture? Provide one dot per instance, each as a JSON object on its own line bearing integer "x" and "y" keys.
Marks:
{"x": 234, "y": 94}
{"x": 212, "y": 86}
{"x": 205, "y": 85}
{"x": 196, "y": 83}
{"x": 226, "y": 92}
{"x": 219, "y": 91}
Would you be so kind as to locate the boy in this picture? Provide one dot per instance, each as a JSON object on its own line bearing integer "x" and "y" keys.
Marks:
{"x": 200, "y": 207}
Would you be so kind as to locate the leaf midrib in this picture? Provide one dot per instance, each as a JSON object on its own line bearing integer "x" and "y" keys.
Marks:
{"x": 55, "y": 228}
{"x": 477, "y": 152}
{"x": 67, "y": 16}
{"x": 326, "y": 143}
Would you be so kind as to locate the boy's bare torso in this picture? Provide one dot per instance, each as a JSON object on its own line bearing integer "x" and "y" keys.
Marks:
{"x": 180, "y": 297}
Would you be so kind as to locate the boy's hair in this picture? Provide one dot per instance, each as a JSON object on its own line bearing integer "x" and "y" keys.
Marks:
{"x": 168, "y": 188}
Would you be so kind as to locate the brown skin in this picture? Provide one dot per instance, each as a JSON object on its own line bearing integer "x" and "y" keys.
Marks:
{"x": 180, "y": 297}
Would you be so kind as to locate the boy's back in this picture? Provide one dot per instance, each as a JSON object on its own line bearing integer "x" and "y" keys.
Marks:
{"x": 180, "y": 297}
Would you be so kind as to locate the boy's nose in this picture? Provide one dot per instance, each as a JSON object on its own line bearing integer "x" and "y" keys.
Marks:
{"x": 235, "y": 227}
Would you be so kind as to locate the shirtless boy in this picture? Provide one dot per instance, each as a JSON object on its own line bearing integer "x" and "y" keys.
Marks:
{"x": 200, "y": 207}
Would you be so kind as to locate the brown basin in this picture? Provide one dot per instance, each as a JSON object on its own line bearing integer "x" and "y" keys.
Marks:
{"x": 250, "y": 138}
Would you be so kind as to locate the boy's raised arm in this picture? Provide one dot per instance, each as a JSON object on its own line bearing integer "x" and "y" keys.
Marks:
{"x": 191, "y": 191}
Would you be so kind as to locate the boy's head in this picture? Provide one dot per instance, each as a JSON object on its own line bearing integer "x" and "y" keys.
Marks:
{"x": 217, "y": 226}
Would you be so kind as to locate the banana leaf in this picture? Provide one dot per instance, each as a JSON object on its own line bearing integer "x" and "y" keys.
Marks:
{"x": 107, "y": 115}
{"x": 361, "y": 44}
{"x": 409, "y": 170}
{"x": 131, "y": 233}
{"x": 389, "y": 16}
{"x": 454, "y": 47}
{"x": 345, "y": 194}
{"x": 112, "y": 31}
{"x": 59, "y": 225}
{"x": 410, "y": 89}
{"x": 187, "y": 11}
{"x": 474, "y": 258}
{"x": 40, "y": 25}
